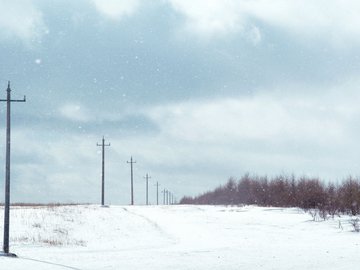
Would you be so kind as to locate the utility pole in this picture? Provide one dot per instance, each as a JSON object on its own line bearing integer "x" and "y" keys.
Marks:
{"x": 164, "y": 191}
{"x": 147, "y": 177}
{"x": 8, "y": 101}
{"x": 157, "y": 193}
{"x": 103, "y": 170}
{"x": 131, "y": 162}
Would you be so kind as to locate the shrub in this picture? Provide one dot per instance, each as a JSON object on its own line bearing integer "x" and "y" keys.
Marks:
{"x": 283, "y": 191}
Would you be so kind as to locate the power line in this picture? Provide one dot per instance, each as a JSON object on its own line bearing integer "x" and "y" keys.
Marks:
{"x": 103, "y": 170}
{"x": 8, "y": 101}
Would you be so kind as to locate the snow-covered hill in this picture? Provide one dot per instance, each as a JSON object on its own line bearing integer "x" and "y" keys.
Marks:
{"x": 177, "y": 237}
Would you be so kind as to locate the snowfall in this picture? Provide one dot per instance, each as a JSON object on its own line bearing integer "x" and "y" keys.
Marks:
{"x": 178, "y": 237}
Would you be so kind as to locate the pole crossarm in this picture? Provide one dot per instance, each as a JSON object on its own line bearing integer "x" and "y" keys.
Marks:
{"x": 15, "y": 100}
{"x": 131, "y": 161}
{"x": 103, "y": 143}
{"x": 8, "y": 100}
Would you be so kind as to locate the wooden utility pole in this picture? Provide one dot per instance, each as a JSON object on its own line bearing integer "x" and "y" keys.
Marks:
{"x": 103, "y": 171}
{"x": 8, "y": 101}
{"x": 147, "y": 177}
{"x": 157, "y": 193}
{"x": 164, "y": 194}
{"x": 131, "y": 162}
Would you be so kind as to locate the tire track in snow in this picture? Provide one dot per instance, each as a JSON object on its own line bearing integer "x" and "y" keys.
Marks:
{"x": 155, "y": 225}
{"x": 50, "y": 263}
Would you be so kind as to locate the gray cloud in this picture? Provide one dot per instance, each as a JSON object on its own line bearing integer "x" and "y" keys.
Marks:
{"x": 196, "y": 93}
{"x": 21, "y": 20}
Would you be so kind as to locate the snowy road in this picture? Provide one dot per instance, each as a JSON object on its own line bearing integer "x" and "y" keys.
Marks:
{"x": 177, "y": 237}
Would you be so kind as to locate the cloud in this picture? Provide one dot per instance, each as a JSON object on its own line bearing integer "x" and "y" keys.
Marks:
{"x": 254, "y": 35}
{"x": 21, "y": 19}
{"x": 334, "y": 21}
{"x": 209, "y": 17}
{"x": 75, "y": 112}
{"x": 261, "y": 117}
{"x": 55, "y": 168}
{"x": 116, "y": 9}
{"x": 197, "y": 143}
{"x": 269, "y": 133}
{"x": 331, "y": 20}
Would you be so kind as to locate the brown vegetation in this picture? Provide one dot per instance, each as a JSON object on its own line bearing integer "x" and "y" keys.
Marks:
{"x": 44, "y": 204}
{"x": 286, "y": 191}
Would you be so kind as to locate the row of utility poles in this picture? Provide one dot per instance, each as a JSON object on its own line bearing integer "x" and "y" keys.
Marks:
{"x": 169, "y": 197}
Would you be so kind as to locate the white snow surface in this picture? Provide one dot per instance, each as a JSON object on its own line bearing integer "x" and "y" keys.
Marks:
{"x": 177, "y": 237}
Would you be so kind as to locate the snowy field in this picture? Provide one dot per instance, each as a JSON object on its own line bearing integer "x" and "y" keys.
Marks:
{"x": 178, "y": 237}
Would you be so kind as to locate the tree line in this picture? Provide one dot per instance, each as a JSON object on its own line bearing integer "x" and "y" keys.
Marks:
{"x": 286, "y": 191}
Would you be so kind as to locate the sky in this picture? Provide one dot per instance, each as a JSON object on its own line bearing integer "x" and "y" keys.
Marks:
{"x": 197, "y": 91}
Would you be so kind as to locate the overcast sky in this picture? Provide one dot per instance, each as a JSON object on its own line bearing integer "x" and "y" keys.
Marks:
{"x": 196, "y": 91}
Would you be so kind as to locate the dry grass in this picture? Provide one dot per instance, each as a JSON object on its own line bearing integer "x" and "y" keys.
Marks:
{"x": 22, "y": 204}
{"x": 46, "y": 224}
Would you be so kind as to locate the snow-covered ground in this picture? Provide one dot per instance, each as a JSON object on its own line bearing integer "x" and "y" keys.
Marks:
{"x": 178, "y": 237}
